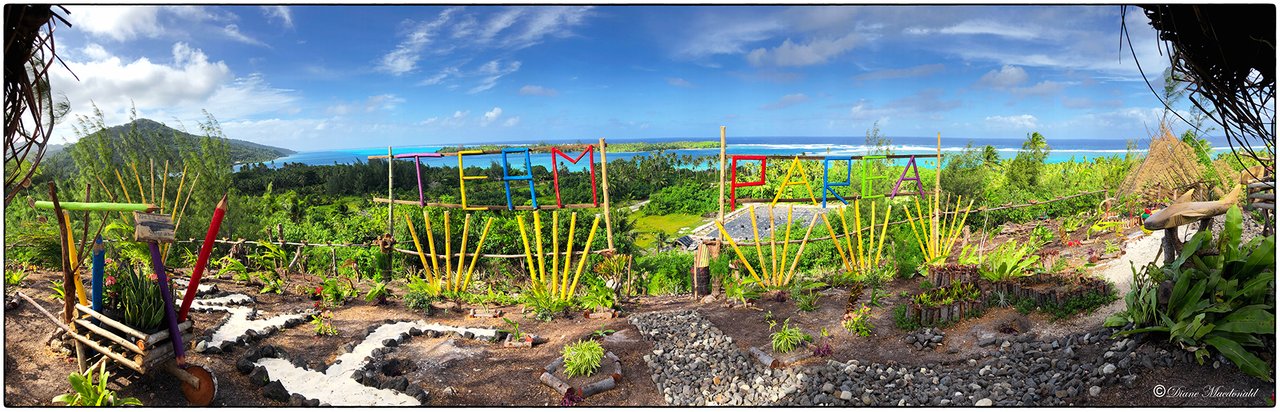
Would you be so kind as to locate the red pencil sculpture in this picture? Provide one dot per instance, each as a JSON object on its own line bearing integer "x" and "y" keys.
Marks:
{"x": 203, "y": 258}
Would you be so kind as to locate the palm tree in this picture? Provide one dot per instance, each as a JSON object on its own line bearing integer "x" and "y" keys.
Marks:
{"x": 990, "y": 157}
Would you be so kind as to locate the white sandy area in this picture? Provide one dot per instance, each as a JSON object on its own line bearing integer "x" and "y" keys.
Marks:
{"x": 348, "y": 362}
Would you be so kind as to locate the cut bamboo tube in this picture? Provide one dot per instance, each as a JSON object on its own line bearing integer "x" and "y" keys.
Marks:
{"x": 799, "y": 252}
{"x": 448, "y": 252}
{"x": 742, "y": 258}
{"x": 131, "y": 346}
{"x": 164, "y": 182}
{"x": 773, "y": 247}
{"x": 462, "y": 252}
{"x": 755, "y": 232}
{"x": 431, "y": 243}
{"x": 582, "y": 262}
{"x": 564, "y": 278}
{"x": 138, "y": 179}
{"x": 127, "y": 198}
{"x": 604, "y": 185}
{"x": 835, "y": 240}
{"x": 476, "y": 256}
{"x": 555, "y": 246}
{"x": 111, "y": 322}
{"x": 151, "y": 178}
{"x": 537, "y": 238}
{"x": 416, "y": 244}
{"x": 528, "y": 255}
{"x": 67, "y": 278}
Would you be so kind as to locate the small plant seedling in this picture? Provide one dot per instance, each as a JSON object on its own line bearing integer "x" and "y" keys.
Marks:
{"x": 600, "y": 333}
{"x": 58, "y": 292}
{"x": 875, "y": 297}
{"x": 858, "y": 322}
{"x": 582, "y": 358}
{"x": 15, "y": 277}
{"x": 323, "y": 324}
{"x": 85, "y": 392}
{"x": 807, "y": 302}
{"x": 788, "y": 338}
{"x": 823, "y": 348}
{"x": 378, "y": 293}
{"x": 513, "y": 329}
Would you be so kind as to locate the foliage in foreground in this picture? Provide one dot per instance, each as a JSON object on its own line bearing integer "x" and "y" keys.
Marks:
{"x": 1225, "y": 302}
{"x": 582, "y": 358}
{"x": 788, "y": 338}
{"x": 85, "y": 392}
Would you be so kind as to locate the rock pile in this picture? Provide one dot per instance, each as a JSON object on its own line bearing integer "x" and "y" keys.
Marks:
{"x": 926, "y": 338}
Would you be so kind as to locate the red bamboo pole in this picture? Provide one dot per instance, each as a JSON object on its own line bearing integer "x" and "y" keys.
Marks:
{"x": 203, "y": 259}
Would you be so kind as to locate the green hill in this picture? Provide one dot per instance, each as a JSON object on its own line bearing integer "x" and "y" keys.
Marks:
{"x": 241, "y": 151}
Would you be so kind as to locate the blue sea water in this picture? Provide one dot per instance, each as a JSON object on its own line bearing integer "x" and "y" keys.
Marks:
{"x": 1060, "y": 150}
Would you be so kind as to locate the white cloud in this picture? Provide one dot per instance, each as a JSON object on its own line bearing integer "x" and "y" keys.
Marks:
{"x": 513, "y": 28}
{"x": 116, "y": 22}
{"x": 1004, "y": 78}
{"x": 1044, "y": 88}
{"x": 279, "y": 12}
{"x": 786, "y": 101}
{"x": 181, "y": 88}
{"x": 430, "y": 121}
{"x": 789, "y": 53}
{"x": 721, "y": 35}
{"x": 534, "y": 90}
{"x": 914, "y": 71}
{"x": 234, "y": 33}
{"x": 382, "y": 102}
{"x": 511, "y": 122}
{"x": 1017, "y": 122}
{"x": 490, "y": 116}
{"x": 678, "y": 82}
{"x": 988, "y": 27}
{"x": 491, "y": 72}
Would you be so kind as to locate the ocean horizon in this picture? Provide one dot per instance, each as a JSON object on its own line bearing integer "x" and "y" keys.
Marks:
{"x": 1061, "y": 150}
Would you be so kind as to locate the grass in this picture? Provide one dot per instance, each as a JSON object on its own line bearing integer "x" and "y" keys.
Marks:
{"x": 668, "y": 224}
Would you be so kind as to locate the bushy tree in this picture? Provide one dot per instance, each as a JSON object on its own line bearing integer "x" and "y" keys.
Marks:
{"x": 1025, "y": 169}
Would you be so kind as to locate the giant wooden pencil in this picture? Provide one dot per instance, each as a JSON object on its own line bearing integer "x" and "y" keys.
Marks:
{"x": 99, "y": 260}
{"x": 157, "y": 264}
{"x": 203, "y": 258}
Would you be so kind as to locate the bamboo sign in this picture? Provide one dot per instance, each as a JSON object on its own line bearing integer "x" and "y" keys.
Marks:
{"x": 554, "y": 283}
{"x": 794, "y": 169}
{"x": 588, "y": 151}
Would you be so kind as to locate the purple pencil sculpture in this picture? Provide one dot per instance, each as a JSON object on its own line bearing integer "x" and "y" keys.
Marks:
{"x": 157, "y": 264}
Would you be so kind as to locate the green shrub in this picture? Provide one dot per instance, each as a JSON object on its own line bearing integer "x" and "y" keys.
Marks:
{"x": 689, "y": 198}
{"x": 858, "y": 322}
{"x": 788, "y": 338}
{"x": 582, "y": 358}
{"x": 85, "y": 392}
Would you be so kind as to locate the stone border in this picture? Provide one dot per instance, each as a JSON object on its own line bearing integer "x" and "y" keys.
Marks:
{"x": 549, "y": 378}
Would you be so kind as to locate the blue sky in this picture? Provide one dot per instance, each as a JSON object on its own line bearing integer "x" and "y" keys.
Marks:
{"x": 325, "y": 77}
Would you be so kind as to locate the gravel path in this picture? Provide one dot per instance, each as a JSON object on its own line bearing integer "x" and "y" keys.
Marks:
{"x": 739, "y": 224}
{"x": 694, "y": 363}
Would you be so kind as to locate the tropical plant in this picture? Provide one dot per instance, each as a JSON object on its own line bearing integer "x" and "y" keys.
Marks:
{"x": 788, "y": 338}
{"x": 15, "y": 276}
{"x": 378, "y": 293}
{"x": 85, "y": 392}
{"x": 1225, "y": 302}
{"x": 582, "y": 358}
{"x": 823, "y": 347}
{"x": 1009, "y": 261}
{"x": 58, "y": 292}
{"x": 512, "y": 330}
{"x": 876, "y": 294}
{"x": 271, "y": 283}
{"x": 858, "y": 322}
{"x": 336, "y": 293}
{"x": 741, "y": 289}
{"x": 421, "y": 293}
{"x": 1110, "y": 247}
{"x": 233, "y": 266}
{"x": 323, "y": 323}
{"x": 269, "y": 256}
{"x": 1042, "y": 234}
{"x": 137, "y": 297}
{"x": 806, "y": 301}
{"x": 598, "y": 297}
{"x": 616, "y": 271}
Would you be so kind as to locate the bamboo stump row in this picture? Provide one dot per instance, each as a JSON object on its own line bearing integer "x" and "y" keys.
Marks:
{"x": 1042, "y": 290}
{"x": 955, "y": 312}
{"x": 944, "y": 275}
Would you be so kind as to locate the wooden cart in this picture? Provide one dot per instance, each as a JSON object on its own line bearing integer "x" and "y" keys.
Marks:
{"x": 99, "y": 339}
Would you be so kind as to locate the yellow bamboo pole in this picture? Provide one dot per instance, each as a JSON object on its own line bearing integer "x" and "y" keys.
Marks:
{"x": 75, "y": 262}
{"x": 755, "y": 231}
{"x": 431, "y": 243}
{"x": 181, "y": 182}
{"x": 416, "y": 244}
{"x": 568, "y": 254}
{"x": 848, "y": 239}
{"x": 792, "y": 272}
{"x": 151, "y": 179}
{"x": 122, "y": 187}
{"x": 911, "y": 221}
{"x": 475, "y": 256}
{"x": 537, "y": 239}
{"x": 883, "y": 227}
{"x": 787, "y": 240}
{"x": 555, "y": 244}
{"x": 138, "y": 179}
{"x": 857, "y": 226}
{"x": 839, "y": 249}
{"x": 741, "y": 257}
{"x": 462, "y": 252}
{"x": 528, "y": 253}
{"x": 582, "y": 262}
{"x": 448, "y": 252}
{"x": 773, "y": 247}
{"x": 871, "y": 239}
{"x": 164, "y": 183}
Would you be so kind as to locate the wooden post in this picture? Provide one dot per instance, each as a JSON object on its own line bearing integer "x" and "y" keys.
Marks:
{"x": 722, "y": 147}
{"x": 937, "y": 196}
{"x": 604, "y": 177}
{"x": 67, "y": 280}
{"x": 391, "y": 208}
